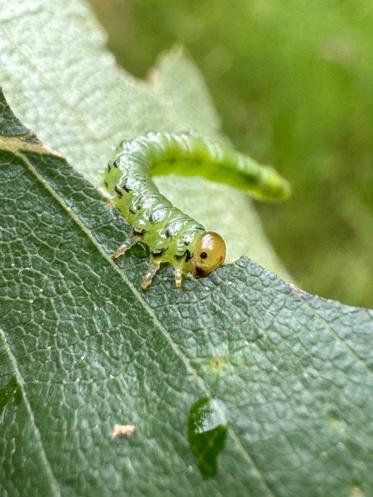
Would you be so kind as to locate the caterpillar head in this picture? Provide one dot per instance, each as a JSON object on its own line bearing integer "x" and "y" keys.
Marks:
{"x": 209, "y": 253}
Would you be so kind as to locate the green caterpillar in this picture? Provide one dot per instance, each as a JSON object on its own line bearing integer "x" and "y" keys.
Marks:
{"x": 171, "y": 235}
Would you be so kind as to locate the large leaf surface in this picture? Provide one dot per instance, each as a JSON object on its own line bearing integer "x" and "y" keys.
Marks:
{"x": 82, "y": 349}
{"x": 61, "y": 82}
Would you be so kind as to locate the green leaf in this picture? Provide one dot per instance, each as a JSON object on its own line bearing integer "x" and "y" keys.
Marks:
{"x": 62, "y": 83}
{"x": 288, "y": 375}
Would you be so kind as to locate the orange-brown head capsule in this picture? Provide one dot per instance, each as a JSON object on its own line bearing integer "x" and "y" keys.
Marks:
{"x": 209, "y": 253}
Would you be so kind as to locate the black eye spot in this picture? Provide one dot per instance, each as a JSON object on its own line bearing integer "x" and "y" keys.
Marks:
{"x": 203, "y": 255}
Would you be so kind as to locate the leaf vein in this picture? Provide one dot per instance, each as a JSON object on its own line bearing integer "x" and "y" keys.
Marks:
{"x": 48, "y": 469}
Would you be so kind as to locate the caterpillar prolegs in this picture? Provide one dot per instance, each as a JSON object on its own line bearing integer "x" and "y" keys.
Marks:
{"x": 171, "y": 235}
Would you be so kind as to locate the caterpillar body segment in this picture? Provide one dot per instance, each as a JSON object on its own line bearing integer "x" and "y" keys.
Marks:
{"x": 171, "y": 235}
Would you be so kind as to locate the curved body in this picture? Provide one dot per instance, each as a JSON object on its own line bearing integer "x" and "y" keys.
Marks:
{"x": 171, "y": 235}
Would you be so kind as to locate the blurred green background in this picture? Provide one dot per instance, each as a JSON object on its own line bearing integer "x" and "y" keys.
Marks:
{"x": 293, "y": 83}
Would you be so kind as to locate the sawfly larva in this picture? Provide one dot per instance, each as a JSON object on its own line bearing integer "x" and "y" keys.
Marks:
{"x": 171, "y": 235}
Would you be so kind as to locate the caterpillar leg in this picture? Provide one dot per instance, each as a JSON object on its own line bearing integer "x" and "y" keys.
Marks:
{"x": 123, "y": 248}
{"x": 149, "y": 275}
{"x": 178, "y": 276}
